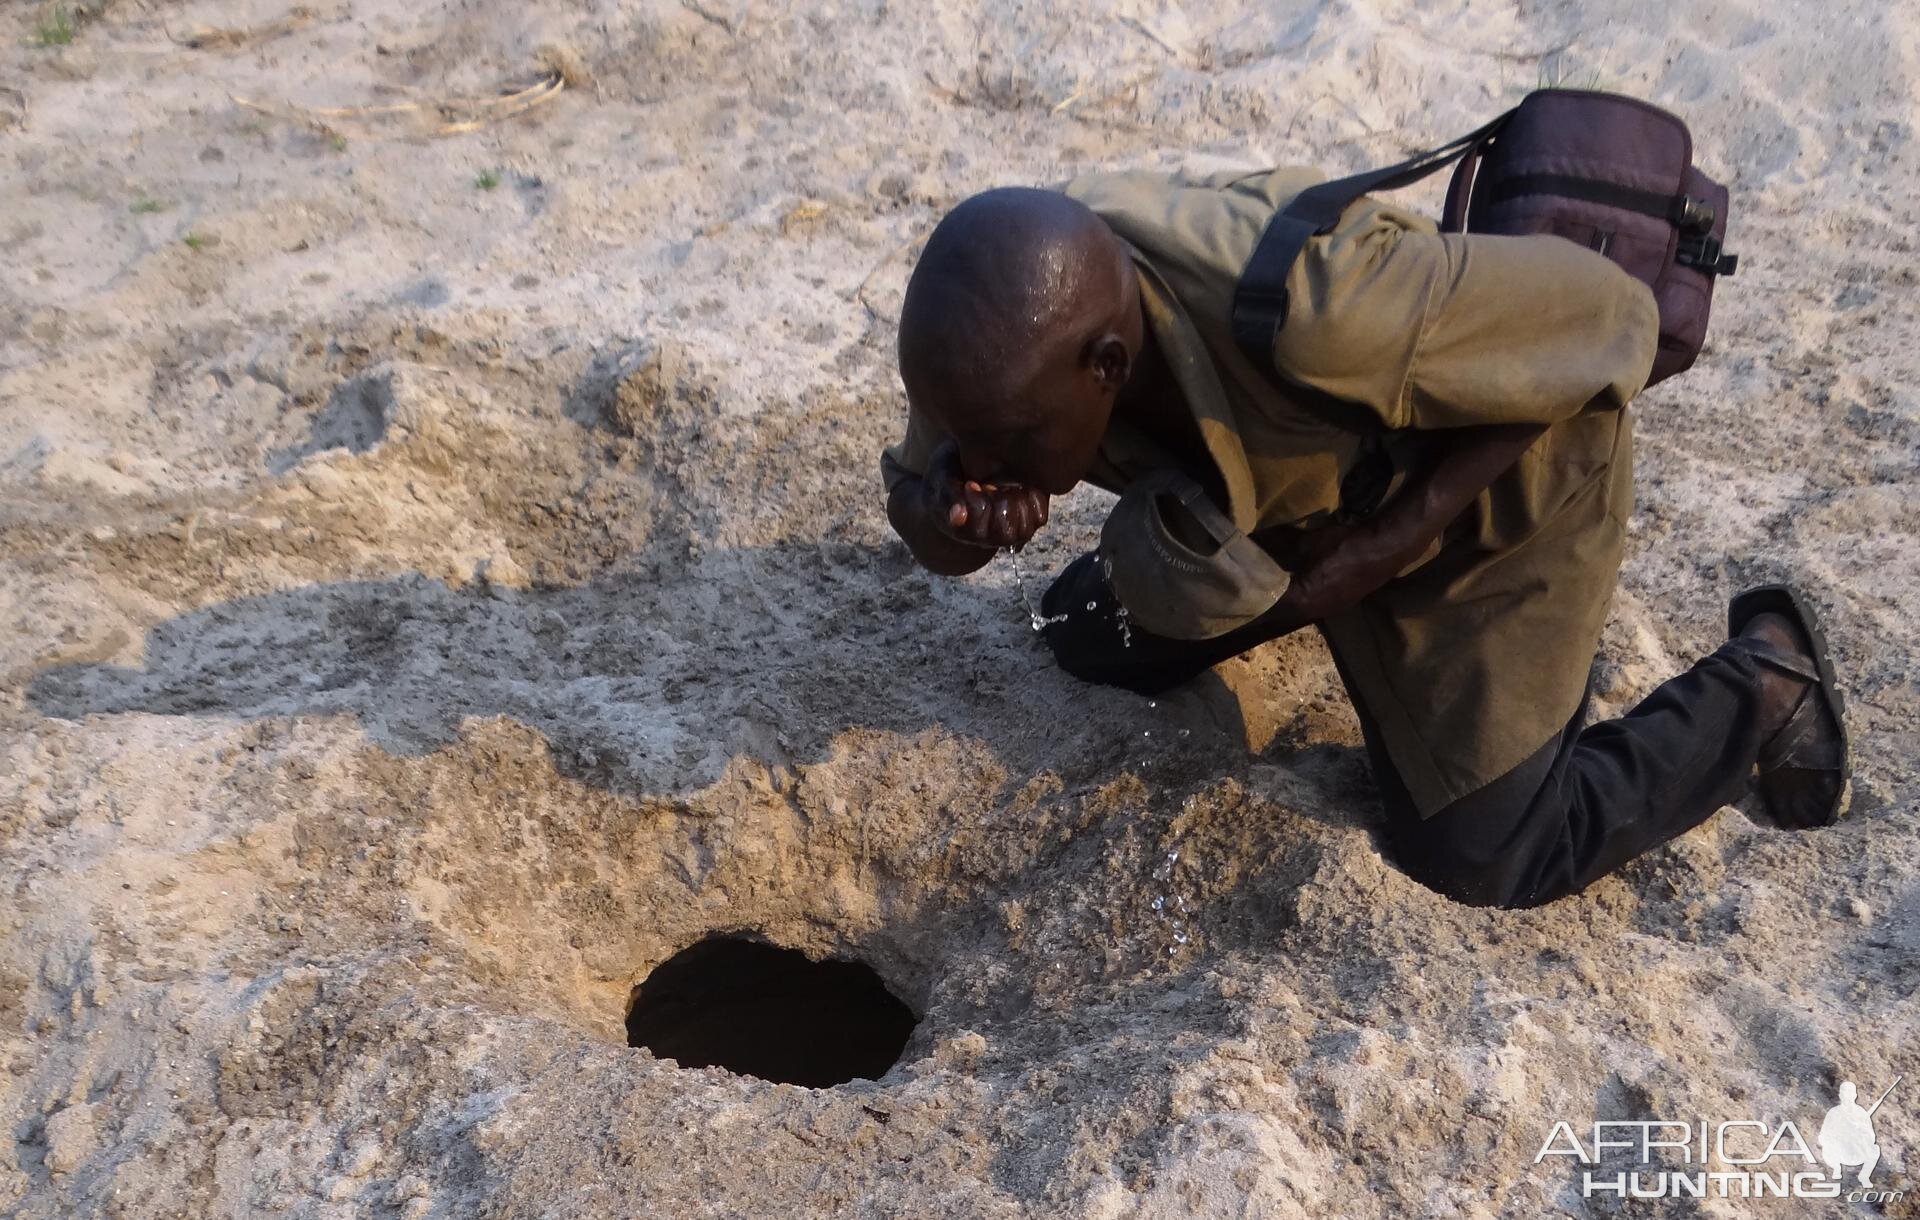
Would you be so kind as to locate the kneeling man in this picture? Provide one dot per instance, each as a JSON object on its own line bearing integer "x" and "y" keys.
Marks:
{"x": 1434, "y": 467}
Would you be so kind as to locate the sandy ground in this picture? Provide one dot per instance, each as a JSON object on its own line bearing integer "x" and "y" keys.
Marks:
{"x": 443, "y": 575}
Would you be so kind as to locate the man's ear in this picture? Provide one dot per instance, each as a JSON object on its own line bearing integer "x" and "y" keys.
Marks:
{"x": 1111, "y": 360}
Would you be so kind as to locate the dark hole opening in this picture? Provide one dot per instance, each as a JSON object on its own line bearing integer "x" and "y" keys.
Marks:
{"x": 764, "y": 1011}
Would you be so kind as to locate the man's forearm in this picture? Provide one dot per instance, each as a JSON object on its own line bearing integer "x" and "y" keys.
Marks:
{"x": 935, "y": 551}
{"x": 1383, "y": 547}
{"x": 1470, "y": 463}
{"x": 1355, "y": 562}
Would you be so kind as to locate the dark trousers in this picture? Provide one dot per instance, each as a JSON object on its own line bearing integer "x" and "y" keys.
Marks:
{"x": 1586, "y": 802}
{"x": 1591, "y": 798}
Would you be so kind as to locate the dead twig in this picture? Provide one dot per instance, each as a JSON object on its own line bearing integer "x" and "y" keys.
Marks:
{"x": 860, "y": 293}
{"x": 450, "y": 115}
{"x": 13, "y": 108}
{"x": 290, "y": 113}
{"x": 215, "y": 37}
{"x": 496, "y": 110}
{"x": 708, "y": 15}
{"x": 945, "y": 94}
{"x": 1304, "y": 110}
{"x": 1148, "y": 32}
{"x": 1526, "y": 56}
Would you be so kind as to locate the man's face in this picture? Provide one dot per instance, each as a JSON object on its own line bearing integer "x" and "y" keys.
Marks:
{"x": 1041, "y": 431}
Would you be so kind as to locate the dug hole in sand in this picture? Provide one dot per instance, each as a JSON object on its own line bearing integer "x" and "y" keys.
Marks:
{"x": 445, "y": 577}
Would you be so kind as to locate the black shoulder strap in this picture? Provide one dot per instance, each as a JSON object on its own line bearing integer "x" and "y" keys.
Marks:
{"x": 1260, "y": 297}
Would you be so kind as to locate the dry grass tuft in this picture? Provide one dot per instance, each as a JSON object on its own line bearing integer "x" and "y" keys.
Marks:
{"x": 567, "y": 62}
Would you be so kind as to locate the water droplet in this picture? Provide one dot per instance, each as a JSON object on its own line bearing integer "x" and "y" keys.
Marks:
{"x": 1093, "y": 605}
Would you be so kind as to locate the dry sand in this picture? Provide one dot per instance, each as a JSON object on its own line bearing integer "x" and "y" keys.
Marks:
{"x": 428, "y": 605}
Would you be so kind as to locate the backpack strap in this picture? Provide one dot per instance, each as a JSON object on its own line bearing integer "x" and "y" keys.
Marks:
{"x": 1453, "y": 215}
{"x": 1260, "y": 297}
{"x": 1687, "y": 213}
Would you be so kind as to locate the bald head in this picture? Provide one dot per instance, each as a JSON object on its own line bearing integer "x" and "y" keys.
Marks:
{"x": 1017, "y": 292}
{"x": 1007, "y": 278}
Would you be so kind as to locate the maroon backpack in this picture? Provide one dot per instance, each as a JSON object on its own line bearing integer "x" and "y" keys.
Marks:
{"x": 1610, "y": 172}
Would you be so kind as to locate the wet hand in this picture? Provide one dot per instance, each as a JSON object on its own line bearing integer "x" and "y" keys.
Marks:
{"x": 976, "y": 513}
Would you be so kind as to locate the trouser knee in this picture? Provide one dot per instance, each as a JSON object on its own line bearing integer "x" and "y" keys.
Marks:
{"x": 1474, "y": 887}
{"x": 1469, "y": 874}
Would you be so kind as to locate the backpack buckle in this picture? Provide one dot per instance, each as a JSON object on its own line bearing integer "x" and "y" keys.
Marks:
{"x": 1692, "y": 214}
{"x": 1702, "y": 251}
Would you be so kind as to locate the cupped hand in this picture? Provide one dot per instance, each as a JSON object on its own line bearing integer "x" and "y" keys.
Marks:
{"x": 980, "y": 514}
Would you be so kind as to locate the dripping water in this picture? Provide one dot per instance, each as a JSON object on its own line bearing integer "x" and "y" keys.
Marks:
{"x": 1035, "y": 619}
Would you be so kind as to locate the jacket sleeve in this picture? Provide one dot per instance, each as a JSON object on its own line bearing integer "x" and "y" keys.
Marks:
{"x": 1445, "y": 330}
{"x": 909, "y": 455}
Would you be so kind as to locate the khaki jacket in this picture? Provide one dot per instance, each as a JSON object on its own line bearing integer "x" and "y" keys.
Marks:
{"x": 1476, "y": 655}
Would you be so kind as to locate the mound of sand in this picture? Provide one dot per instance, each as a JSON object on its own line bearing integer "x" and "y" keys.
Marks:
{"x": 444, "y": 576}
